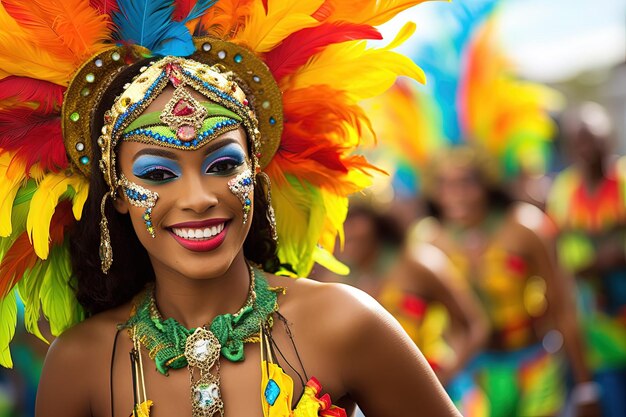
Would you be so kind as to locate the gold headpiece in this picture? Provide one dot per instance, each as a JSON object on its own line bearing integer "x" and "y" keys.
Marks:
{"x": 233, "y": 69}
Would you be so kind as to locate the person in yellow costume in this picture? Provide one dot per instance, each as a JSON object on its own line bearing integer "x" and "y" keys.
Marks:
{"x": 588, "y": 204}
{"x": 167, "y": 169}
{"x": 447, "y": 323}
{"x": 501, "y": 250}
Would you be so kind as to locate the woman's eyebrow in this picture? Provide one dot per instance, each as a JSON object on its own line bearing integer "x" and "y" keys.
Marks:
{"x": 213, "y": 146}
{"x": 156, "y": 152}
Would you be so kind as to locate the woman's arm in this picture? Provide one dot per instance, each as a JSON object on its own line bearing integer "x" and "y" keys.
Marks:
{"x": 437, "y": 282}
{"x": 381, "y": 366}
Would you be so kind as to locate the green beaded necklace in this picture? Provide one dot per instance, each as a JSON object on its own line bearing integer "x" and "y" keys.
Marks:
{"x": 165, "y": 340}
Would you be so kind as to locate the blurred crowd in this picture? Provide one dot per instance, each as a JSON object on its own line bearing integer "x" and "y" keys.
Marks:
{"x": 516, "y": 298}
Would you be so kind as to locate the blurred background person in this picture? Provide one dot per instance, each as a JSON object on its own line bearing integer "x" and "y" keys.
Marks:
{"x": 588, "y": 203}
{"x": 371, "y": 244}
{"x": 499, "y": 249}
{"x": 444, "y": 320}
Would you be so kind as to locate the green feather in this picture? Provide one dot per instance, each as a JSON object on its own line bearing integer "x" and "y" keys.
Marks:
{"x": 57, "y": 298}
{"x": 19, "y": 213}
{"x": 8, "y": 312}
{"x": 303, "y": 205}
{"x": 29, "y": 289}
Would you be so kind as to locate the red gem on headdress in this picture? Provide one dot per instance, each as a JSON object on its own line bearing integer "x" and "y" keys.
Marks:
{"x": 245, "y": 102}
{"x": 186, "y": 133}
{"x": 173, "y": 71}
{"x": 183, "y": 108}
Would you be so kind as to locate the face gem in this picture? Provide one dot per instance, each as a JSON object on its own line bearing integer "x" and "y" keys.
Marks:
{"x": 242, "y": 186}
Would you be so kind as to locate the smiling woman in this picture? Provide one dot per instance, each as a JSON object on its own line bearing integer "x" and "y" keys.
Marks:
{"x": 173, "y": 250}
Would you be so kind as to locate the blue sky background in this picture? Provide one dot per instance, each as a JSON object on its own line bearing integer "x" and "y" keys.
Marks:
{"x": 548, "y": 40}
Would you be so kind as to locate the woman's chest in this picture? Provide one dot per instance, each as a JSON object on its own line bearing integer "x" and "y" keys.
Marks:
{"x": 236, "y": 387}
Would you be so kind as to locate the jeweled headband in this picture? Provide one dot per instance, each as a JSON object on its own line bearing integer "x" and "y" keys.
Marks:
{"x": 184, "y": 123}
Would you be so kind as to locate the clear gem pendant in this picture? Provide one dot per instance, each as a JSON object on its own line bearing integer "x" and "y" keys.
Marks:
{"x": 202, "y": 351}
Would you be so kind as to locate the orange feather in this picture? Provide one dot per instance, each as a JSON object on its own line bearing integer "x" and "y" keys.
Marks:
{"x": 224, "y": 18}
{"x": 69, "y": 29}
{"x": 371, "y": 12}
{"x": 20, "y": 257}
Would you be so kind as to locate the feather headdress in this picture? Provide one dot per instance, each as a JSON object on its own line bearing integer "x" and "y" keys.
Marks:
{"x": 316, "y": 52}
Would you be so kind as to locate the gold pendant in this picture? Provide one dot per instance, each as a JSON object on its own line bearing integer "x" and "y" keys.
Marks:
{"x": 202, "y": 351}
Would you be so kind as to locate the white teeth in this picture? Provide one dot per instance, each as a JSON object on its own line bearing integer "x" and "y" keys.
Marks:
{"x": 203, "y": 233}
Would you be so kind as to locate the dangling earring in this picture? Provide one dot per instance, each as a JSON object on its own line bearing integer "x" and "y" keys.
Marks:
{"x": 267, "y": 188}
{"x": 140, "y": 197}
{"x": 106, "y": 251}
{"x": 243, "y": 187}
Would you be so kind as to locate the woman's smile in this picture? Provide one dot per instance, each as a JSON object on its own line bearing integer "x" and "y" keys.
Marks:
{"x": 200, "y": 236}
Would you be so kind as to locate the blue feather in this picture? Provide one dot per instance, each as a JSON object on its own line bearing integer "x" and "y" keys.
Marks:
{"x": 199, "y": 9}
{"x": 178, "y": 43}
{"x": 149, "y": 23}
{"x": 443, "y": 59}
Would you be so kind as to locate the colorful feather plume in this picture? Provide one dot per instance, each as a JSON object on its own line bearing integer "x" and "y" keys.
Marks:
{"x": 507, "y": 116}
{"x": 317, "y": 52}
{"x": 474, "y": 96}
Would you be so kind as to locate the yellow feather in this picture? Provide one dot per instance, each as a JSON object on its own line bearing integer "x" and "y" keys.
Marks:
{"x": 371, "y": 12}
{"x": 336, "y": 211}
{"x": 377, "y": 68}
{"x": 19, "y": 56}
{"x": 300, "y": 207}
{"x": 263, "y": 32}
{"x": 12, "y": 174}
{"x": 82, "y": 192}
{"x": 43, "y": 205}
{"x": 328, "y": 261}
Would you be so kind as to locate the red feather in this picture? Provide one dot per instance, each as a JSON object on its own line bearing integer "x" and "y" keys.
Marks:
{"x": 315, "y": 143}
{"x": 298, "y": 47}
{"x": 105, "y": 6}
{"x": 35, "y": 137}
{"x": 182, "y": 9}
{"x": 21, "y": 255}
{"x": 47, "y": 96}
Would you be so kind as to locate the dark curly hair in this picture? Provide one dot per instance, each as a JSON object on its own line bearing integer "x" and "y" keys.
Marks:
{"x": 131, "y": 268}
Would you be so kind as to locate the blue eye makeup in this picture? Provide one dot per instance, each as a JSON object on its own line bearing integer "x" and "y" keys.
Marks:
{"x": 156, "y": 169}
{"x": 224, "y": 160}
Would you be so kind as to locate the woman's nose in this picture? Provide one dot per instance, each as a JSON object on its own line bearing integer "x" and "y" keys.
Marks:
{"x": 197, "y": 193}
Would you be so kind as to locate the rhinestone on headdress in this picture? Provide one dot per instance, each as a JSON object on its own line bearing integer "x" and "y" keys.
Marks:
{"x": 184, "y": 115}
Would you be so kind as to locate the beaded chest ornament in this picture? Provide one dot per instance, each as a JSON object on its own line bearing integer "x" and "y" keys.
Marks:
{"x": 172, "y": 346}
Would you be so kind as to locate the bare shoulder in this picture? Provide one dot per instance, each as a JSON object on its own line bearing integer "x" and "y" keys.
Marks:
{"x": 76, "y": 365}
{"x": 90, "y": 338}
{"x": 340, "y": 302}
{"x": 336, "y": 316}
{"x": 530, "y": 223}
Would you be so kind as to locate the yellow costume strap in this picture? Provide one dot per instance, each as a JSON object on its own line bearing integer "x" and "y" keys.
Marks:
{"x": 276, "y": 385}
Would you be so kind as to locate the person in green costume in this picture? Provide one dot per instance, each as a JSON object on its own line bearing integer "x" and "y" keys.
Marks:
{"x": 587, "y": 202}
